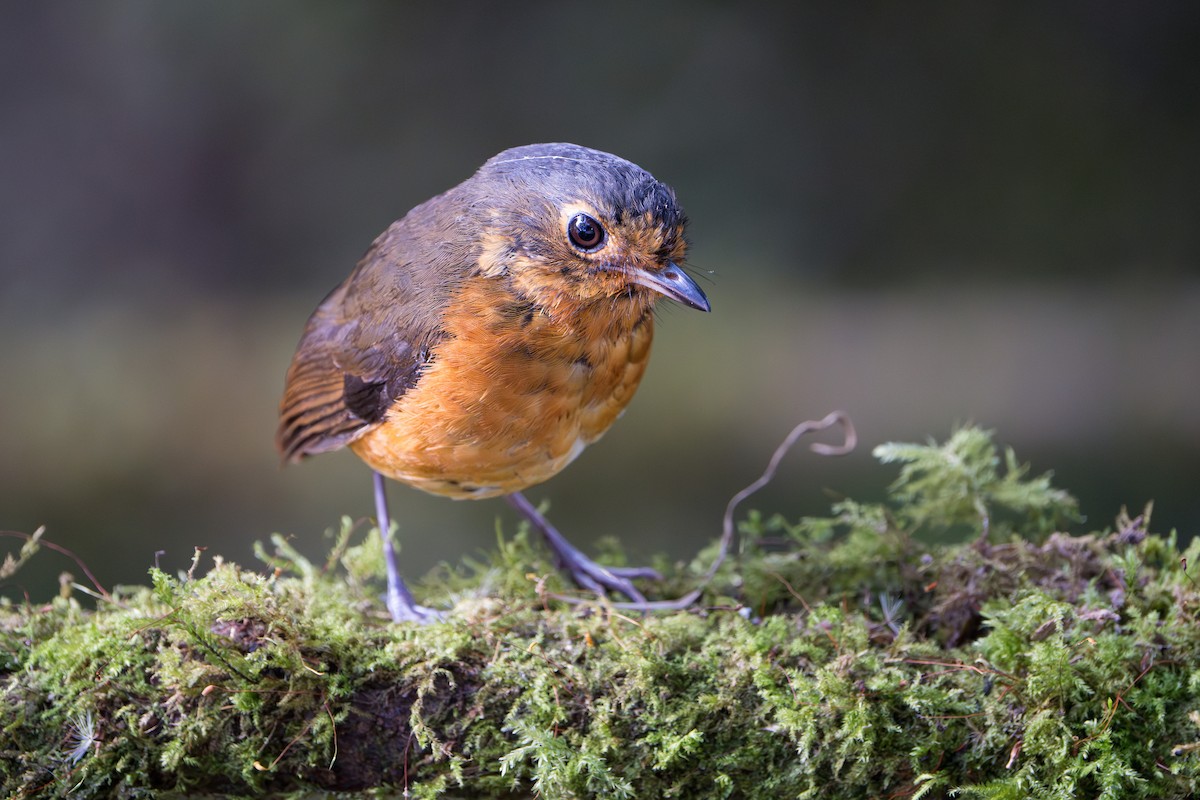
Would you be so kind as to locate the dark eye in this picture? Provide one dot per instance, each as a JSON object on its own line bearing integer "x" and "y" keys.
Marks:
{"x": 585, "y": 232}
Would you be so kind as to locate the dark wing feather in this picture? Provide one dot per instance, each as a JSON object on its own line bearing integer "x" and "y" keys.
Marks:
{"x": 368, "y": 341}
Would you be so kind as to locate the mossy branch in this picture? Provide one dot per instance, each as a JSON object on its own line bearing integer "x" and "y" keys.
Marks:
{"x": 839, "y": 657}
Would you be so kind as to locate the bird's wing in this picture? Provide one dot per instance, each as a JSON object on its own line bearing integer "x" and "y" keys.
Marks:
{"x": 363, "y": 348}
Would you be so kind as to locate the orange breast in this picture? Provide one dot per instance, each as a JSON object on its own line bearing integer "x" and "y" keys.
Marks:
{"x": 512, "y": 395}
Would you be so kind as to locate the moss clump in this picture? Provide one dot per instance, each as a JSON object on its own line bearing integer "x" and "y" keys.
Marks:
{"x": 848, "y": 659}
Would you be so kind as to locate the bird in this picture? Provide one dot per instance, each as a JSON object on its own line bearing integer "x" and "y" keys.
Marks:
{"x": 491, "y": 334}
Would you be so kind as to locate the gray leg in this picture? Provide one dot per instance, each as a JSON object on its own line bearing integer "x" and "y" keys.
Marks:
{"x": 399, "y": 599}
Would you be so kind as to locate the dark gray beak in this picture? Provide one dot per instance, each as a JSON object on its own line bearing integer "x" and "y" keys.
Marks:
{"x": 672, "y": 282}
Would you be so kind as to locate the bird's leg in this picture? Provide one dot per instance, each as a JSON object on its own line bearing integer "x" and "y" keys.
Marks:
{"x": 400, "y": 601}
{"x": 583, "y": 570}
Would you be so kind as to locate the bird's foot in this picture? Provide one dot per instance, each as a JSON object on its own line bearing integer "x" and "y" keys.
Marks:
{"x": 600, "y": 579}
{"x": 404, "y": 610}
{"x": 583, "y": 571}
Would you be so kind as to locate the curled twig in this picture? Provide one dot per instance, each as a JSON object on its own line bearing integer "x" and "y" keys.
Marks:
{"x": 808, "y": 426}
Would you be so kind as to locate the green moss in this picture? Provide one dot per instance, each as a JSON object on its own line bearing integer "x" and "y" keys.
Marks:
{"x": 850, "y": 659}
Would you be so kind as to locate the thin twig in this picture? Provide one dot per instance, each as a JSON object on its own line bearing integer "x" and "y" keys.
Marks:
{"x": 60, "y": 549}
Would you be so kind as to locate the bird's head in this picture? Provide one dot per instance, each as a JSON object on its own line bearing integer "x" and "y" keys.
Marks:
{"x": 573, "y": 226}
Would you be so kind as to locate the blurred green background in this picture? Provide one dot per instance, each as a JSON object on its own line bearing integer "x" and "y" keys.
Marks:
{"x": 921, "y": 214}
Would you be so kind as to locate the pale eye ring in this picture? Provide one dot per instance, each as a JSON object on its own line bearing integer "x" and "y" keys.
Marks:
{"x": 585, "y": 232}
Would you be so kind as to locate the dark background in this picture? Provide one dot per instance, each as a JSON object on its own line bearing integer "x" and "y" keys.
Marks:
{"x": 923, "y": 215}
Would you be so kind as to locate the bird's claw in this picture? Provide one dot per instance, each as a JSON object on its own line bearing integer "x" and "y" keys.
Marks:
{"x": 586, "y": 573}
{"x": 602, "y": 580}
{"x": 403, "y": 611}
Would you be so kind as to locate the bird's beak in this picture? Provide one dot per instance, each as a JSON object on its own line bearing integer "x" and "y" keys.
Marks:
{"x": 671, "y": 282}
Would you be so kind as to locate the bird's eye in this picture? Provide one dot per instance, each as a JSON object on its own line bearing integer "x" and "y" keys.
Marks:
{"x": 585, "y": 232}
